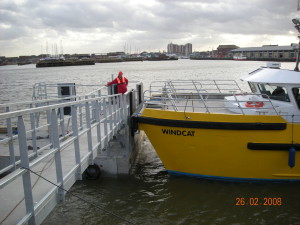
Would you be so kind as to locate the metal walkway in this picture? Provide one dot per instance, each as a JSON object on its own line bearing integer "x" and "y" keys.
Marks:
{"x": 58, "y": 139}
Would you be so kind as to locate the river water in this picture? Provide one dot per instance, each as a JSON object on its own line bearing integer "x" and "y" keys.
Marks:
{"x": 149, "y": 195}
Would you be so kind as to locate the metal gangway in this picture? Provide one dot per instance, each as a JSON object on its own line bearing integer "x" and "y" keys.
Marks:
{"x": 57, "y": 139}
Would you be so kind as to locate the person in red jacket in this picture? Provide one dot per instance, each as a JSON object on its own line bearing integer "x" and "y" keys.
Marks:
{"x": 121, "y": 83}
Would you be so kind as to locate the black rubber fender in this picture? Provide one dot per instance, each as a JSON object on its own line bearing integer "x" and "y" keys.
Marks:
{"x": 92, "y": 172}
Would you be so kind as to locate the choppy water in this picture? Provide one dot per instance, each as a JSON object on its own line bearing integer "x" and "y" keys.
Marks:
{"x": 150, "y": 195}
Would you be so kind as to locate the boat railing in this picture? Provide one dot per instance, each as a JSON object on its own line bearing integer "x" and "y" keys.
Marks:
{"x": 209, "y": 86}
{"x": 167, "y": 94}
{"x": 201, "y": 96}
{"x": 171, "y": 87}
{"x": 211, "y": 102}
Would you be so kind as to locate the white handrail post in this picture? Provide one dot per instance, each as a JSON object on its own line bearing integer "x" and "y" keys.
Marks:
{"x": 89, "y": 131}
{"x": 26, "y": 176}
{"x": 49, "y": 127}
{"x": 97, "y": 118}
{"x": 62, "y": 121}
{"x": 121, "y": 102}
{"x": 125, "y": 101}
{"x": 57, "y": 155}
{"x": 126, "y": 123}
{"x": 76, "y": 142}
{"x": 80, "y": 115}
{"x": 33, "y": 134}
{"x": 110, "y": 99}
{"x": 104, "y": 108}
{"x": 93, "y": 104}
{"x": 114, "y": 112}
{"x": 119, "y": 107}
{"x": 12, "y": 159}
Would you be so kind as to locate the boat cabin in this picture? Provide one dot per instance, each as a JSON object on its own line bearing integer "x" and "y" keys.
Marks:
{"x": 275, "y": 88}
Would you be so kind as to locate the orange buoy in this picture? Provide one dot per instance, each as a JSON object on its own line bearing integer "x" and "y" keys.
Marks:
{"x": 254, "y": 104}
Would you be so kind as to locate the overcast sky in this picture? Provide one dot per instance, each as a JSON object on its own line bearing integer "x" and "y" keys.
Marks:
{"x": 30, "y": 27}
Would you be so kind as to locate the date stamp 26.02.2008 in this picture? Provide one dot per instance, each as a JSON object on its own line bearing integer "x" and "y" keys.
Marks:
{"x": 255, "y": 201}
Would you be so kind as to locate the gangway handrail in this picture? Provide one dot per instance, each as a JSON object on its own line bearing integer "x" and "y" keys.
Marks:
{"x": 46, "y": 100}
{"x": 118, "y": 106}
{"x": 43, "y": 101}
{"x": 16, "y": 113}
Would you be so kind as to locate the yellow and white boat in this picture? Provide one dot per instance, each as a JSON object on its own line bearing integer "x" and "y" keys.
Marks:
{"x": 212, "y": 129}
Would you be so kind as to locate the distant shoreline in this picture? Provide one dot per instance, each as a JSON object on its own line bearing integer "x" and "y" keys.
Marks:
{"x": 252, "y": 59}
{"x": 92, "y": 62}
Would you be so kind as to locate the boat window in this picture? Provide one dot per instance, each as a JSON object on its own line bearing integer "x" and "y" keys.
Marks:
{"x": 274, "y": 92}
{"x": 296, "y": 93}
{"x": 252, "y": 87}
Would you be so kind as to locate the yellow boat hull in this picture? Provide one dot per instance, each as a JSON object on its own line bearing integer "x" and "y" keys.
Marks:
{"x": 224, "y": 146}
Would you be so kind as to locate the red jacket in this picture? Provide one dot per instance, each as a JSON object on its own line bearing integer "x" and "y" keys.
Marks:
{"x": 121, "y": 84}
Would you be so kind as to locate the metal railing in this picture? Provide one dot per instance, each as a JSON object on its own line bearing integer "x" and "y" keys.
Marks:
{"x": 209, "y": 86}
{"x": 47, "y": 91}
{"x": 219, "y": 103}
{"x": 203, "y": 102}
{"x": 92, "y": 120}
{"x": 205, "y": 96}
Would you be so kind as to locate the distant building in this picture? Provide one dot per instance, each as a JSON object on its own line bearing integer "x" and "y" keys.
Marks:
{"x": 268, "y": 52}
{"x": 42, "y": 56}
{"x": 223, "y": 50}
{"x": 80, "y": 56}
{"x": 12, "y": 60}
{"x": 99, "y": 55}
{"x": 205, "y": 54}
{"x": 181, "y": 50}
{"x": 115, "y": 54}
{"x": 188, "y": 49}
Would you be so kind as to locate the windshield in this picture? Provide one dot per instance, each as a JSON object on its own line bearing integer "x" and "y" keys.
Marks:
{"x": 274, "y": 92}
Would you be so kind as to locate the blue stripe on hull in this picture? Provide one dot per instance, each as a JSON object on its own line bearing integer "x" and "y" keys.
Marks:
{"x": 235, "y": 179}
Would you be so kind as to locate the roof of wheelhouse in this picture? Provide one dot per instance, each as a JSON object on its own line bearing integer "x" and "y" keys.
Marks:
{"x": 271, "y": 75}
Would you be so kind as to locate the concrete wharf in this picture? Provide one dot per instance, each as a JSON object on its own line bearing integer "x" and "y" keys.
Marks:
{"x": 61, "y": 138}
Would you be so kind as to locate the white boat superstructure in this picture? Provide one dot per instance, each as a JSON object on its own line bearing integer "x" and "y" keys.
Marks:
{"x": 281, "y": 89}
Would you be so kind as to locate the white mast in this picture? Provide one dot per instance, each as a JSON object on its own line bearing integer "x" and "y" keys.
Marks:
{"x": 61, "y": 49}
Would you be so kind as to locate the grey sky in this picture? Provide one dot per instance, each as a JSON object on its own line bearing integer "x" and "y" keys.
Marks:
{"x": 97, "y": 26}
